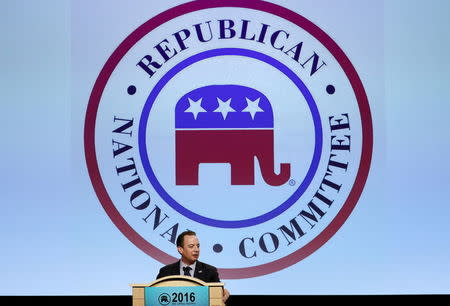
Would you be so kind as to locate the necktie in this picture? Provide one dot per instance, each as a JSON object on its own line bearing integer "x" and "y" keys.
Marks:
{"x": 187, "y": 271}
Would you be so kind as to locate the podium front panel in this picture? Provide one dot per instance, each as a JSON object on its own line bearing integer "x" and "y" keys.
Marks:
{"x": 168, "y": 296}
{"x": 178, "y": 290}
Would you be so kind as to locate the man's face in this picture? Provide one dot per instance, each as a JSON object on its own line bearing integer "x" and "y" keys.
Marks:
{"x": 190, "y": 250}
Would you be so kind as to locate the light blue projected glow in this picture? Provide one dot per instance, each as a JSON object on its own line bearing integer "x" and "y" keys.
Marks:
{"x": 58, "y": 240}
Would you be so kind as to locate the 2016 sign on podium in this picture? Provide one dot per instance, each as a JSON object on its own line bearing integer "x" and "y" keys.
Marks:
{"x": 178, "y": 290}
{"x": 198, "y": 296}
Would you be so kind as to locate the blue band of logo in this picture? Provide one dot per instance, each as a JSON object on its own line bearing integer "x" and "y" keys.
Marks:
{"x": 144, "y": 154}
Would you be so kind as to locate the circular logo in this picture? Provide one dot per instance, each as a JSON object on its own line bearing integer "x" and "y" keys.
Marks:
{"x": 164, "y": 299}
{"x": 244, "y": 122}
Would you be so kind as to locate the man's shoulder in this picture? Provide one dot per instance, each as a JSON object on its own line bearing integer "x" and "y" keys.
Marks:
{"x": 207, "y": 273}
{"x": 206, "y": 266}
{"x": 170, "y": 268}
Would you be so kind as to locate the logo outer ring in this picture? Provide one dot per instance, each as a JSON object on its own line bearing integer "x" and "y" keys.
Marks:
{"x": 271, "y": 8}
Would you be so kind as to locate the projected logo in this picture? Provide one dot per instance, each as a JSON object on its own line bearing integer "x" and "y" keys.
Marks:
{"x": 234, "y": 130}
{"x": 240, "y": 120}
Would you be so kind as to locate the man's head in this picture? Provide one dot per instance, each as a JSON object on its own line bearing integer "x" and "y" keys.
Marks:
{"x": 188, "y": 246}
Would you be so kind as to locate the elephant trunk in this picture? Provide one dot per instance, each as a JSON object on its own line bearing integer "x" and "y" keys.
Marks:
{"x": 266, "y": 161}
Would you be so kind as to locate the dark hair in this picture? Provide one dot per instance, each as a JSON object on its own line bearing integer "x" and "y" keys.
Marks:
{"x": 180, "y": 238}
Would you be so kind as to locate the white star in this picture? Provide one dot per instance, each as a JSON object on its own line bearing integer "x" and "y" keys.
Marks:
{"x": 253, "y": 107}
{"x": 195, "y": 107}
{"x": 224, "y": 108}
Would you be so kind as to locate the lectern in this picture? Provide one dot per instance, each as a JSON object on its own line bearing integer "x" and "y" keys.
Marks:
{"x": 178, "y": 290}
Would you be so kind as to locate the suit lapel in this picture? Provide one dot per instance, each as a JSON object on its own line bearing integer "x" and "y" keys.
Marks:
{"x": 175, "y": 268}
{"x": 199, "y": 270}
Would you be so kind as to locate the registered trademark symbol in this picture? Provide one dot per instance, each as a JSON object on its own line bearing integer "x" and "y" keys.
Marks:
{"x": 292, "y": 182}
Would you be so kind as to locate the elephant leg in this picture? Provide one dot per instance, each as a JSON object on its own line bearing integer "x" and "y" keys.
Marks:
{"x": 243, "y": 171}
{"x": 186, "y": 172}
{"x": 241, "y": 156}
{"x": 186, "y": 162}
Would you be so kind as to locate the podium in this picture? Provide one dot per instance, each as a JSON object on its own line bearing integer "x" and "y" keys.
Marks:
{"x": 178, "y": 290}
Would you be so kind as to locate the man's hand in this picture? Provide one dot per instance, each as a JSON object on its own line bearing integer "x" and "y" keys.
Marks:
{"x": 226, "y": 295}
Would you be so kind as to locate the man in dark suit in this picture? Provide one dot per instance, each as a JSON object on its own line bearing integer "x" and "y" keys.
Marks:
{"x": 189, "y": 248}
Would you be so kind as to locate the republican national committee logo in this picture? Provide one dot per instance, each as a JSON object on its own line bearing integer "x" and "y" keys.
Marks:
{"x": 240, "y": 120}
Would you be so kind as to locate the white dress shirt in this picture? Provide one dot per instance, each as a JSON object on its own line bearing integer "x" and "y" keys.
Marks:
{"x": 182, "y": 265}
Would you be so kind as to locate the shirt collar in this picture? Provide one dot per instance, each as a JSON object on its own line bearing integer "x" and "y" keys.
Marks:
{"x": 182, "y": 265}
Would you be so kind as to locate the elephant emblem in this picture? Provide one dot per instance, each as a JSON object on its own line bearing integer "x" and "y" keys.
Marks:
{"x": 226, "y": 124}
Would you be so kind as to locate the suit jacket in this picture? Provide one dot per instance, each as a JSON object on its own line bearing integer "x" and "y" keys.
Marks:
{"x": 202, "y": 271}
